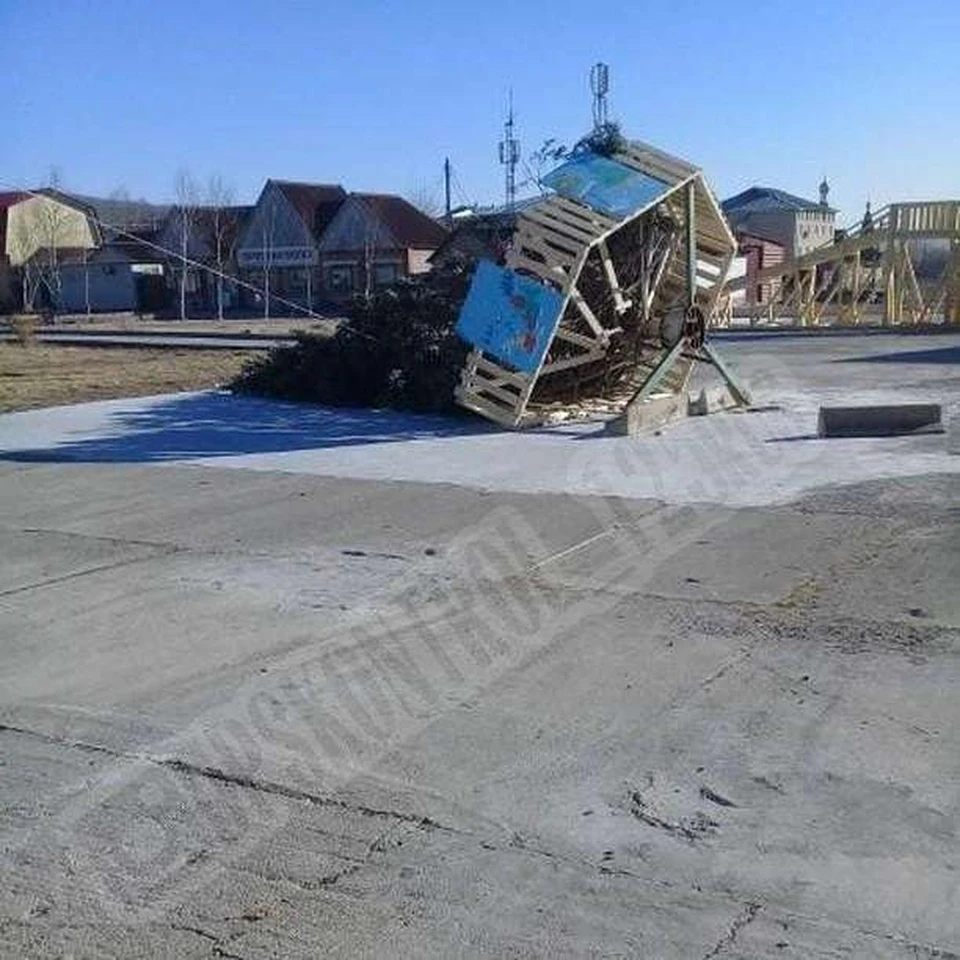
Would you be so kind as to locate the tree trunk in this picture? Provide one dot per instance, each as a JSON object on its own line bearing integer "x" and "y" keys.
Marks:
{"x": 183, "y": 270}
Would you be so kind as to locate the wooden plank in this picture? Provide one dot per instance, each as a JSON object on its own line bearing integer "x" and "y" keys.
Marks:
{"x": 507, "y": 417}
{"x": 487, "y": 379}
{"x": 549, "y": 233}
{"x": 578, "y": 339}
{"x": 574, "y": 209}
{"x": 568, "y": 363}
{"x": 492, "y": 369}
{"x": 655, "y": 163}
{"x": 551, "y": 226}
{"x": 620, "y": 303}
{"x": 517, "y": 261}
{"x": 581, "y": 226}
{"x": 588, "y": 314}
{"x": 552, "y": 256}
{"x": 487, "y": 389}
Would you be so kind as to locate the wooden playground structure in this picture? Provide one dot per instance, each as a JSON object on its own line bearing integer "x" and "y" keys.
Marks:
{"x": 867, "y": 276}
{"x": 607, "y": 282}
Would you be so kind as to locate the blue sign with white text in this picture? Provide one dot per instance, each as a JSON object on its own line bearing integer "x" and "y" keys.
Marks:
{"x": 511, "y": 317}
{"x": 605, "y": 185}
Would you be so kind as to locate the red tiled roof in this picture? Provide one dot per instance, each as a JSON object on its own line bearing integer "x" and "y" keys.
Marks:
{"x": 12, "y": 198}
{"x": 411, "y": 228}
{"x": 315, "y": 202}
{"x": 8, "y": 200}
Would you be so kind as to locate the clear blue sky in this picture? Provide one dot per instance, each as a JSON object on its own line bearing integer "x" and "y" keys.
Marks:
{"x": 374, "y": 95}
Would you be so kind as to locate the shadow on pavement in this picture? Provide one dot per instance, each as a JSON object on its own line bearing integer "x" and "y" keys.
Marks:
{"x": 222, "y": 425}
{"x": 939, "y": 355}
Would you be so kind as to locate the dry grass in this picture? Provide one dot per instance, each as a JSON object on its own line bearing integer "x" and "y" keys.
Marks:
{"x": 45, "y": 375}
{"x": 24, "y": 328}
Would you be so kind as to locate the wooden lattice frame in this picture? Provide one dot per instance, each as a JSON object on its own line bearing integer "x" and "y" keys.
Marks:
{"x": 868, "y": 275}
{"x": 569, "y": 245}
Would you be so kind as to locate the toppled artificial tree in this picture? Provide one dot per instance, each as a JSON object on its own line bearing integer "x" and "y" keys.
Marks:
{"x": 397, "y": 349}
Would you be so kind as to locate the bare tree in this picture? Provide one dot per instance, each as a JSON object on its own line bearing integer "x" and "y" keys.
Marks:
{"x": 268, "y": 237}
{"x": 219, "y": 198}
{"x": 425, "y": 200}
{"x": 41, "y": 236}
{"x": 187, "y": 203}
{"x": 541, "y": 161}
{"x": 86, "y": 281}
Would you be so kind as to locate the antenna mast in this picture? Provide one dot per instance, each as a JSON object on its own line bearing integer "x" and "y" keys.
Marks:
{"x": 599, "y": 87}
{"x": 447, "y": 214}
{"x": 510, "y": 157}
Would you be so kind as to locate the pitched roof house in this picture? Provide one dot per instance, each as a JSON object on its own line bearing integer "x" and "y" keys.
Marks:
{"x": 793, "y": 222}
{"x": 373, "y": 239}
{"x": 38, "y": 221}
{"x": 312, "y": 242}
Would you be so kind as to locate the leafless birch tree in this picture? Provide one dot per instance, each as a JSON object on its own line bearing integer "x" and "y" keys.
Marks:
{"x": 187, "y": 202}
{"x": 41, "y": 236}
{"x": 222, "y": 229}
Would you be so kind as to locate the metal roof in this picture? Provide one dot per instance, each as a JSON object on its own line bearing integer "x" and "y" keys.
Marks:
{"x": 410, "y": 227}
{"x": 770, "y": 200}
{"x": 317, "y": 203}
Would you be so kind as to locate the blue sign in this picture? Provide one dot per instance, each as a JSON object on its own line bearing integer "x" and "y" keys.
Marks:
{"x": 511, "y": 317}
{"x": 605, "y": 185}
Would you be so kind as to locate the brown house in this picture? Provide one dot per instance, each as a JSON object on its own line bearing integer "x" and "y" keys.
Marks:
{"x": 308, "y": 243}
{"x": 373, "y": 240}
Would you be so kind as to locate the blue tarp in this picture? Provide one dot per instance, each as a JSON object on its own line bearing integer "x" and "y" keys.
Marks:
{"x": 605, "y": 185}
{"x": 511, "y": 317}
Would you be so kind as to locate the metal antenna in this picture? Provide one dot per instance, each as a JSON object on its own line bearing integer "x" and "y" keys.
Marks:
{"x": 447, "y": 210}
{"x": 599, "y": 87}
{"x": 510, "y": 157}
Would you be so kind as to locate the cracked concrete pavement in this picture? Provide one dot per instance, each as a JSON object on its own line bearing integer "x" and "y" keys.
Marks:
{"x": 246, "y": 713}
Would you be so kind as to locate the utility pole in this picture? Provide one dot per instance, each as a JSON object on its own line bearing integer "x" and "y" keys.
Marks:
{"x": 510, "y": 157}
{"x": 446, "y": 193}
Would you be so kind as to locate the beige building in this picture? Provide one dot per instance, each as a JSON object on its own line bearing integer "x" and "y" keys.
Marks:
{"x": 795, "y": 224}
{"x": 34, "y": 228}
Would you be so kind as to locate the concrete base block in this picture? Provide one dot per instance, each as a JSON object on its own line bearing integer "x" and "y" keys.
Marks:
{"x": 652, "y": 413}
{"x": 710, "y": 400}
{"x": 880, "y": 421}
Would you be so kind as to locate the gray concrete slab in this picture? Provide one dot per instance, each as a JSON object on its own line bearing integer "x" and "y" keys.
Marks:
{"x": 736, "y": 458}
{"x": 254, "y": 713}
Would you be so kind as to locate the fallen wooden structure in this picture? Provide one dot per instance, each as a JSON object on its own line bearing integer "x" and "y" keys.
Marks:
{"x": 868, "y": 275}
{"x": 604, "y": 283}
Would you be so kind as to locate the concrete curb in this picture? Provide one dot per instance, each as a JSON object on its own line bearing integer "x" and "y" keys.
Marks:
{"x": 880, "y": 421}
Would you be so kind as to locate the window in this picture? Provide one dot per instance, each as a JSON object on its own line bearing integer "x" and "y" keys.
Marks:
{"x": 384, "y": 274}
{"x": 297, "y": 281}
{"x": 340, "y": 278}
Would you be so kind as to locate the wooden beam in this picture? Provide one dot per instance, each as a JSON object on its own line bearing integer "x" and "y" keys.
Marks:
{"x": 588, "y": 315}
{"x": 621, "y": 305}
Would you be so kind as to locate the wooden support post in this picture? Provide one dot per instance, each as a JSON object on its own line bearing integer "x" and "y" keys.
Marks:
{"x": 656, "y": 375}
{"x": 739, "y": 391}
{"x": 589, "y": 315}
{"x": 620, "y": 304}
{"x": 889, "y": 277}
